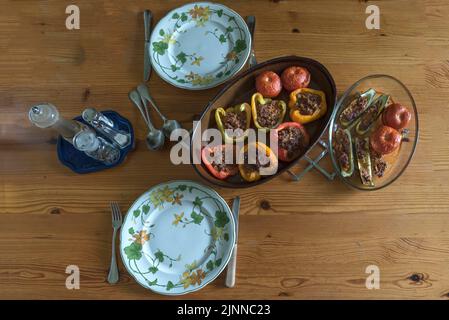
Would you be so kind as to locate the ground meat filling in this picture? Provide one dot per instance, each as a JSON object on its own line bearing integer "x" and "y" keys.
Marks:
{"x": 369, "y": 116}
{"x": 342, "y": 147}
{"x": 220, "y": 165}
{"x": 379, "y": 164}
{"x": 233, "y": 121}
{"x": 365, "y": 175}
{"x": 268, "y": 114}
{"x": 354, "y": 109}
{"x": 291, "y": 139}
{"x": 361, "y": 147}
{"x": 260, "y": 158}
{"x": 308, "y": 103}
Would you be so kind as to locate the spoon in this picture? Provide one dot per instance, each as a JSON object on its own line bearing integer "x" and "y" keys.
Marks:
{"x": 155, "y": 137}
{"x": 169, "y": 125}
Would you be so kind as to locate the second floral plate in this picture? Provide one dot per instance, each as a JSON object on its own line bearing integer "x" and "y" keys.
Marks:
{"x": 177, "y": 237}
{"x": 199, "y": 45}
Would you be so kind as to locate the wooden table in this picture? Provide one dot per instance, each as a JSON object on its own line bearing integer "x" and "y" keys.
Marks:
{"x": 306, "y": 240}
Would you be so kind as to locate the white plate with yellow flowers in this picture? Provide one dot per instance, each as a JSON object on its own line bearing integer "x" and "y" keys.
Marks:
{"x": 177, "y": 237}
{"x": 199, "y": 45}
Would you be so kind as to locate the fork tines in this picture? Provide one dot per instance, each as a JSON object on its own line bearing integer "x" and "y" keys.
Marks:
{"x": 116, "y": 214}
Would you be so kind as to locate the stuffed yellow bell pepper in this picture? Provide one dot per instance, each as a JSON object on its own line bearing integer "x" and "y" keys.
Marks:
{"x": 234, "y": 122}
{"x": 307, "y": 105}
{"x": 263, "y": 162}
{"x": 267, "y": 113}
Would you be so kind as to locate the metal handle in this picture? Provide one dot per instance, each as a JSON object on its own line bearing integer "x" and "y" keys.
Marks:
{"x": 230, "y": 275}
{"x": 251, "y": 23}
{"x": 137, "y": 100}
{"x": 113, "y": 270}
{"x": 145, "y": 94}
{"x": 314, "y": 163}
{"x": 147, "y": 17}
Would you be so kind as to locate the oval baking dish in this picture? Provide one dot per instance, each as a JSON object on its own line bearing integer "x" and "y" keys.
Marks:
{"x": 241, "y": 88}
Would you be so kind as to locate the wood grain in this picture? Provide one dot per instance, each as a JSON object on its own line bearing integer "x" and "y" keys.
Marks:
{"x": 304, "y": 240}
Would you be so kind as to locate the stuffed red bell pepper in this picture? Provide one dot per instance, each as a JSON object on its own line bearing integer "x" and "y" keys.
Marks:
{"x": 214, "y": 160}
{"x": 293, "y": 140}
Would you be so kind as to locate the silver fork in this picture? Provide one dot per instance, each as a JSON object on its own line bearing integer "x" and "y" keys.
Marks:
{"x": 113, "y": 275}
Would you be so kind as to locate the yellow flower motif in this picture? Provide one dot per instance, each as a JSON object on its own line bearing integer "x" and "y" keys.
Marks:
{"x": 200, "y": 13}
{"x": 196, "y": 79}
{"x": 141, "y": 237}
{"x": 192, "y": 278}
{"x": 162, "y": 195}
{"x": 195, "y": 278}
{"x": 191, "y": 266}
{"x": 178, "y": 218}
{"x": 197, "y": 61}
{"x": 185, "y": 280}
{"x": 155, "y": 199}
{"x": 166, "y": 193}
{"x": 177, "y": 199}
{"x": 168, "y": 38}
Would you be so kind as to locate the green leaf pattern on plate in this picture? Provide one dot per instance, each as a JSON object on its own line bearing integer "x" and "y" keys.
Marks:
{"x": 172, "y": 196}
{"x": 200, "y": 15}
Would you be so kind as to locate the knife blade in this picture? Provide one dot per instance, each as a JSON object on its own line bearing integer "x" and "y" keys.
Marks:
{"x": 230, "y": 274}
{"x": 147, "y": 18}
{"x": 251, "y": 23}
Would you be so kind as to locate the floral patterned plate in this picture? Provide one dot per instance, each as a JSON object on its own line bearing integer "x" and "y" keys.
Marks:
{"x": 177, "y": 237}
{"x": 199, "y": 45}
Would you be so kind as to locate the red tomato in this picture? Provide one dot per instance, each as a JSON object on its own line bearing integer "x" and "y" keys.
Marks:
{"x": 268, "y": 84}
{"x": 396, "y": 116}
{"x": 295, "y": 77}
{"x": 385, "y": 140}
{"x": 283, "y": 154}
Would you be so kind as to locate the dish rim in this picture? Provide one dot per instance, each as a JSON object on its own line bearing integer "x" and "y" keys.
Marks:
{"x": 332, "y": 123}
{"x": 231, "y": 82}
{"x": 232, "y": 244}
{"x": 215, "y": 84}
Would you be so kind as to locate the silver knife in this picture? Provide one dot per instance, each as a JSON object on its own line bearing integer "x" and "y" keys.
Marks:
{"x": 251, "y": 23}
{"x": 147, "y": 17}
{"x": 230, "y": 274}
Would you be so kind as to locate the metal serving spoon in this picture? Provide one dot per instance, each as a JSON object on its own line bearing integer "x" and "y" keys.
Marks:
{"x": 169, "y": 125}
{"x": 155, "y": 137}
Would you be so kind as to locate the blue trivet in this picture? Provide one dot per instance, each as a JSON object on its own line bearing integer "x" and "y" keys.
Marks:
{"x": 79, "y": 162}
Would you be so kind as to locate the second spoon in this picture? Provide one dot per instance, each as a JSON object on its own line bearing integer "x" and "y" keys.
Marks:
{"x": 169, "y": 125}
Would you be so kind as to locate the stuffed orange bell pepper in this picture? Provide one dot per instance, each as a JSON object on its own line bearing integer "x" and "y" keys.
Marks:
{"x": 263, "y": 158}
{"x": 307, "y": 105}
{"x": 234, "y": 120}
{"x": 214, "y": 160}
{"x": 267, "y": 113}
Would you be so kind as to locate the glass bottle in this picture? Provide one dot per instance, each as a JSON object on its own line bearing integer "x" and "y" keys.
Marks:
{"x": 46, "y": 116}
{"x": 105, "y": 126}
{"x": 78, "y": 134}
{"x": 96, "y": 147}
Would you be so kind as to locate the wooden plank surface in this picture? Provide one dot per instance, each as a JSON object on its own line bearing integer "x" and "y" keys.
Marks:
{"x": 304, "y": 240}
